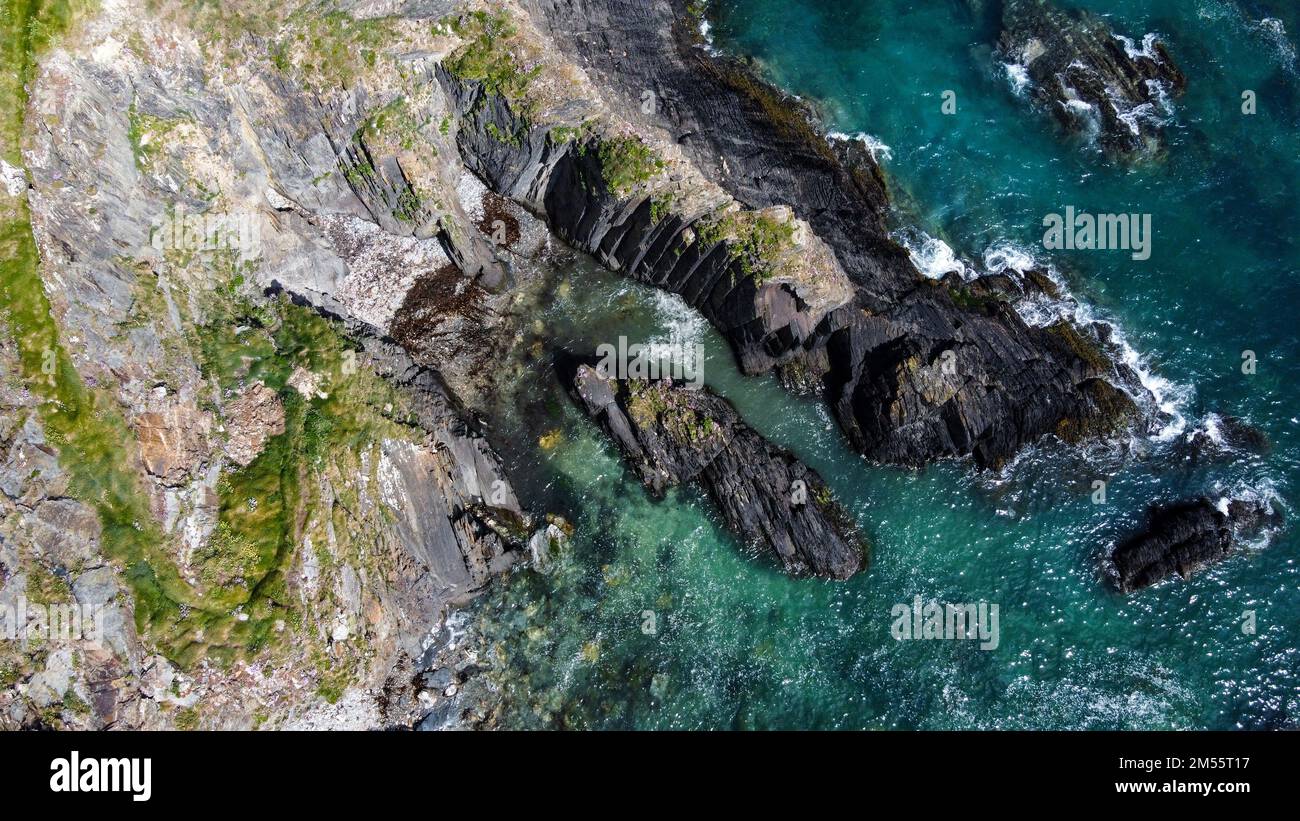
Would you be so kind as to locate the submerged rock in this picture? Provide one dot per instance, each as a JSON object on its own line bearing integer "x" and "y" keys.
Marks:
{"x": 1185, "y": 537}
{"x": 1222, "y": 436}
{"x": 1092, "y": 80}
{"x": 671, "y": 434}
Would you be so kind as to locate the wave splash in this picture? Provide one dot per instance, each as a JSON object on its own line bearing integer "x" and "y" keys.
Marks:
{"x": 1168, "y": 399}
{"x": 933, "y": 257}
{"x": 878, "y": 150}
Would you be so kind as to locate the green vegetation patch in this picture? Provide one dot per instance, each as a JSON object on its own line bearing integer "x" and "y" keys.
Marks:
{"x": 44, "y": 587}
{"x": 326, "y": 47}
{"x": 654, "y": 402}
{"x": 332, "y": 48}
{"x": 564, "y": 134}
{"x": 757, "y": 241}
{"x": 661, "y": 205}
{"x": 146, "y": 133}
{"x": 627, "y": 162}
{"x": 487, "y": 59}
{"x": 397, "y": 122}
{"x": 761, "y": 242}
{"x": 265, "y": 506}
{"x": 27, "y": 27}
{"x": 85, "y": 425}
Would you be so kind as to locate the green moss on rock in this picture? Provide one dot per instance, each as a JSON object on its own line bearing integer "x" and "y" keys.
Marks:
{"x": 626, "y": 163}
{"x": 756, "y": 240}
{"x": 487, "y": 59}
{"x": 1110, "y": 410}
{"x": 1080, "y": 346}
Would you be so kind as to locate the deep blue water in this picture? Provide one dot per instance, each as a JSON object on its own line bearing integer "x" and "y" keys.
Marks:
{"x": 738, "y": 644}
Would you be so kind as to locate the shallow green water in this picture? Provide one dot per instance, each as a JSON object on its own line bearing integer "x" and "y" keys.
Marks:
{"x": 737, "y": 644}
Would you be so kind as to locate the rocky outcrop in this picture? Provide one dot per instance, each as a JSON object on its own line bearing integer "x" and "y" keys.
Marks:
{"x": 1092, "y": 81}
{"x": 252, "y": 417}
{"x": 1185, "y": 537}
{"x": 914, "y": 369}
{"x": 1220, "y": 437}
{"x": 312, "y": 523}
{"x": 309, "y": 531}
{"x": 173, "y": 436}
{"x": 671, "y": 434}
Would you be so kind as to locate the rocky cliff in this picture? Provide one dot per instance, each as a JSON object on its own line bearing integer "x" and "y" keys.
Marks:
{"x": 790, "y": 259}
{"x": 219, "y": 218}
{"x": 262, "y": 267}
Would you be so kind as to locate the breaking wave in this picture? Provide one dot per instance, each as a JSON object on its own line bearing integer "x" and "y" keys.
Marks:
{"x": 1147, "y": 49}
{"x": 932, "y": 256}
{"x": 1168, "y": 398}
{"x": 875, "y": 147}
{"x": 684, "y": 330}
{"x": 1018, "y": 77}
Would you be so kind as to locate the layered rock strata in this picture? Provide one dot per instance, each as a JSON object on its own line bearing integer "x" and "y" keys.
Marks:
{"x": 673, "y": 434}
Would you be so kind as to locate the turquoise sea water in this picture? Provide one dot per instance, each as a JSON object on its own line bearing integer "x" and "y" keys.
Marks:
{"x": 656, "y": 618}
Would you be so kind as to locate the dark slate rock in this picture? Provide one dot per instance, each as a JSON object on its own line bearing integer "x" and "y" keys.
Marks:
{"x": 1183, "y": 538}
{"x": 672, "y": 434}
{"x": 914, "y": 370}
{"x": 1089, "y": 79}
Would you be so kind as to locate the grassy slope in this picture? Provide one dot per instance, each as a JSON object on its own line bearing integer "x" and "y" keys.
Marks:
{"x": 85, "y": 426}
{"x": 244, "y": 565}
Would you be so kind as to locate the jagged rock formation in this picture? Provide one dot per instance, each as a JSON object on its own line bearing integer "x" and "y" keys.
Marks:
{"x": 1183, "y": 538}
{"x": 915, "y": 370}
{"x": 671, "y": 434}
{"x": 1093, "y": 81}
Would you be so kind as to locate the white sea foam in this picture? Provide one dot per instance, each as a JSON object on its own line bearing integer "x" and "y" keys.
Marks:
{"x": 1160, "y": 90}
{"x": 1082, "y": 110}
{"x": 1156, "y": 113}
{"x": 1169, "y": 398}
{"x": 684, "y": 330}
{"x": 1258, "y": 490}
{"x": 1131, "y": 118}
{"x": 1001, "y": 257}
{"x": 706, "y": 35}
{"x": 932, "y": 256}
{"x": 1018, "y": 76}
{"x": 1081, "y": 107}
{"x": 1272, "y": 30}
{"x": 1210, "y": 427}
{"x": 1148, "y": 49}
{"x": 877, "y": 148}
